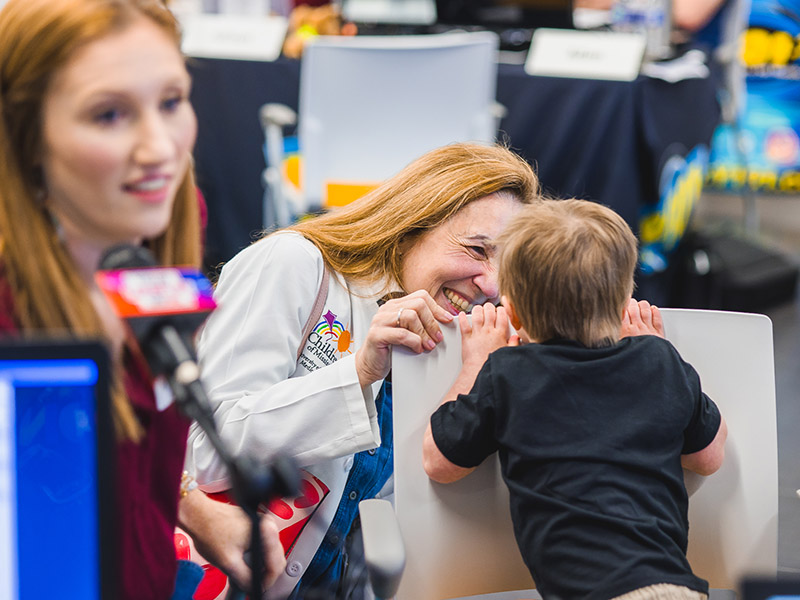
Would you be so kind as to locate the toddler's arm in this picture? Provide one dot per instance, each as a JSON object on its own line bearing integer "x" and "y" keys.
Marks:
{"x": 488, "y": 331}
{"x": 709, "y": 459}
{"x": 436, "y": 464}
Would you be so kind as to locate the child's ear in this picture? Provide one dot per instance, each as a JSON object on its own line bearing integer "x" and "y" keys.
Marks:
{"x": 512, "y": 313}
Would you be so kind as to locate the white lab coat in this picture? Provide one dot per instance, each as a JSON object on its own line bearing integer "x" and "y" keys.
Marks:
{"x": 265, "y": 401}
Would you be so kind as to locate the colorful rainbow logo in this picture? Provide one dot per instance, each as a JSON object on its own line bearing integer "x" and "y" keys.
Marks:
{"x": 329, "y": 326}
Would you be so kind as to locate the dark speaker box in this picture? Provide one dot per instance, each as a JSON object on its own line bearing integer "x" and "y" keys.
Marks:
{"x": 729, "y": 272}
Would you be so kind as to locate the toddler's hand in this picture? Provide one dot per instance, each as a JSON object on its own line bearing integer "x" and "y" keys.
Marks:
{"x": 641, "y": 318}
{"x": 488, "y": 331}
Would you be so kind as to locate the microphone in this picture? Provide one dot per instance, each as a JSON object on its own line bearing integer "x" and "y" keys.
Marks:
{"x": 164, "y": 307}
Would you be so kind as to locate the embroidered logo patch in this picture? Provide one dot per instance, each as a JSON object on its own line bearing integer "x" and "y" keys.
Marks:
{"x": 327, "y": 342}
{"x": 329, "y": 326}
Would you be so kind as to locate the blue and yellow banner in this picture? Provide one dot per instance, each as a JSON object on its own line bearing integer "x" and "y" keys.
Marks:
{"x": 763, "y": 152}
{"x": 663, "y": 225}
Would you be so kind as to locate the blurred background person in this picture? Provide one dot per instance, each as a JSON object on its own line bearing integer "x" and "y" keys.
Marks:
{"x": 690, "y": 15}
{"x": 96, "y": 137}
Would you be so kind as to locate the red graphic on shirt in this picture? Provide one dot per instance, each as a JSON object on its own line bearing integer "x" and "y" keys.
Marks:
{"x": 292, "y": 515}
{"x": 214, "y": 584}
{"x": 183, "y": 548}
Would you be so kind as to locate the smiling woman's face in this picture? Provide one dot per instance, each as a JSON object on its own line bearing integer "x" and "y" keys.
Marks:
{"x": 456, "y": 263}
{"x": 118, "y": 131}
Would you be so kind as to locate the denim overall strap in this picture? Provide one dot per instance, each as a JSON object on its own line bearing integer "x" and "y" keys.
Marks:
{"x": 187, "y": 578}
{"x": 370, "y": 472}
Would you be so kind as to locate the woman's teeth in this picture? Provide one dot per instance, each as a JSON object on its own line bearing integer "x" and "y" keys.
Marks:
{"x": 457, "y": 301}
{"x": 149, "y": 185}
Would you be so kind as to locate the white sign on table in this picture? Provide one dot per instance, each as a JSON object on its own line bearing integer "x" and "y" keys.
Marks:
{"x": 242, "y": 37}
{"x": 585, "y": 54}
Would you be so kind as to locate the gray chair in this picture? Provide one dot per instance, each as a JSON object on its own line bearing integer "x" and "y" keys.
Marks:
{"x": 370, "y": 105}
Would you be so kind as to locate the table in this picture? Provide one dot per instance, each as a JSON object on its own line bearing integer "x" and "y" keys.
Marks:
{"x": 601, "y": 140}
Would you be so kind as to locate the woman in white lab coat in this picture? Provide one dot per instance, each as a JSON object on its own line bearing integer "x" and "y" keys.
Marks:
{"x": 288, "y": 378}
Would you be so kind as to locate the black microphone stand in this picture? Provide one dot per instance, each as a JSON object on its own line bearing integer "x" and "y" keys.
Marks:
{"x": 252, "y": 484}
{"x": 167, "y": 349}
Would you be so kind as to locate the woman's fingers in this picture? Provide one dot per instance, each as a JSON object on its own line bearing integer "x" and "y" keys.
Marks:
{"x": 274, "y": 560}
{"x": 421, "y": 324}
{"x": 412, "y": 321}
{"x": 418, "y": 314}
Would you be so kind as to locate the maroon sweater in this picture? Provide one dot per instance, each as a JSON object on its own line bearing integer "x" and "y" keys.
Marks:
{"x": 147, "y": 481}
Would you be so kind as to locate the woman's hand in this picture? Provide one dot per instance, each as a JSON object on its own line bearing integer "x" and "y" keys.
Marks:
{"x": 488, "y": 331}
{"x": 221, "y": 534}
{"x": 641, "y": 318}
{"x": 411, "y": 321}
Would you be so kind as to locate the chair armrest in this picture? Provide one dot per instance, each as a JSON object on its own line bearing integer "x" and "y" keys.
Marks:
{"x": 384, "y": 551}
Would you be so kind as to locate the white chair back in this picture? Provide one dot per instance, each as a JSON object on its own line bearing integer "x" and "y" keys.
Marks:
{"x": 370, "y": 105}
{"x": 459, "y": 537}
{"x": 733, "y": 515}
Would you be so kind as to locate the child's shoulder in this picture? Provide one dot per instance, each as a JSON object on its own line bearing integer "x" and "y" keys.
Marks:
{"x": 654, "y": 342}
{"x": 655, "y": 346}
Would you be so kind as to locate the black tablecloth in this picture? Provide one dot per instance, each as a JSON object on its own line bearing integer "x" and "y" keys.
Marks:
{"x": 600, "y": 140}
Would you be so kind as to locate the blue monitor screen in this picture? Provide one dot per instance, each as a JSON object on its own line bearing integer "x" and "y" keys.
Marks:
{"x": 49, "y": 479}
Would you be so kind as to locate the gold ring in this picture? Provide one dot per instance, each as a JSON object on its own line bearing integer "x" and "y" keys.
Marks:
{"x": 399, "y": 312}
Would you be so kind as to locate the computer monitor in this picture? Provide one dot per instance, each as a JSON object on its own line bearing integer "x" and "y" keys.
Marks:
{"x": 56, "y": 454}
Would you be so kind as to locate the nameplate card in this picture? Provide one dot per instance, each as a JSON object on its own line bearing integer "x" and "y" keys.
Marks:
{"x": 585, "y": 54}
{"x": 408, "y": 12}
{"x": 242, "y": 37}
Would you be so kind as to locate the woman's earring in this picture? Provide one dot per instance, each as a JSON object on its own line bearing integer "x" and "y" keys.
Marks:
{"x": 57, "y": 227}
